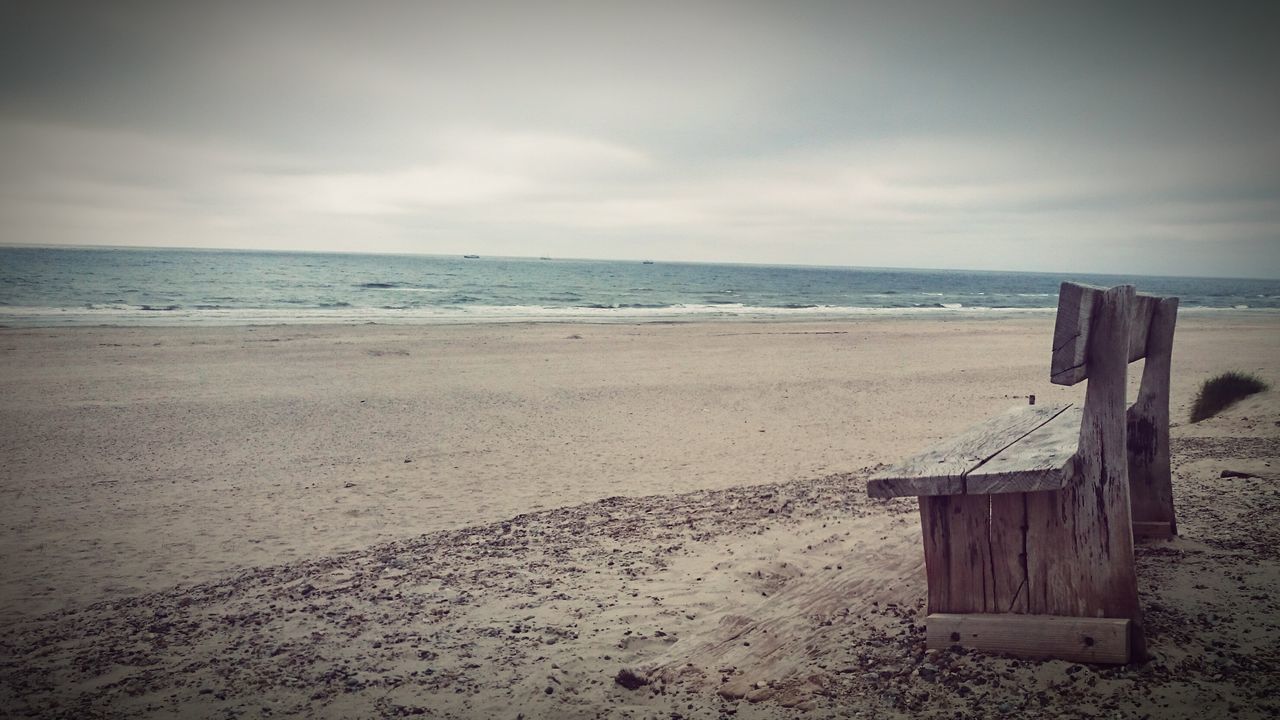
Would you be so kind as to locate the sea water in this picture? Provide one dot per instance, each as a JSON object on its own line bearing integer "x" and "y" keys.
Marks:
{"x": 56, "y": 286}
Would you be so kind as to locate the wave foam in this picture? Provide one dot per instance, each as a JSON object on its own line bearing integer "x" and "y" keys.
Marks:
{"x": 213, "y": 315}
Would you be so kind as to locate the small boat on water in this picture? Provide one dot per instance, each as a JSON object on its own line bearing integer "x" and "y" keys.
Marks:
{"x": 648, "y": 262}
{"x": 471, "y": 257}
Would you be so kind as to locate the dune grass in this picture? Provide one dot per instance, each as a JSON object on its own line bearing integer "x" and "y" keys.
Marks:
{"x": 1222, "y": 391}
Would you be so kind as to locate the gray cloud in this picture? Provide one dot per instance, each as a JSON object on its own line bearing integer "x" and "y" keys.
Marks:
{"x": 984, "y": 135}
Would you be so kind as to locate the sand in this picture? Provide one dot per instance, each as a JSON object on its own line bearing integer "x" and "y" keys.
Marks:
{"x": 478, "y": 521}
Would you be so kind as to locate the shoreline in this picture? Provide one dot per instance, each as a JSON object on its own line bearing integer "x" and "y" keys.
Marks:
{"x": 38, "y": 318}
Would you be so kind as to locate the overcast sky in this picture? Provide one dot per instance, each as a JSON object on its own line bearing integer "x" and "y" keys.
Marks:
{"x": 993, "y": 135}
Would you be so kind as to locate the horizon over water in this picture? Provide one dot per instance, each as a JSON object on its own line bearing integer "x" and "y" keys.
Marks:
{"x": 172, "y": 286}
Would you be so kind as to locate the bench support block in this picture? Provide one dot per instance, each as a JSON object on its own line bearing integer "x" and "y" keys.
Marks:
{"x": 1077, "y": 639}
{"x": 1152, "y": 530}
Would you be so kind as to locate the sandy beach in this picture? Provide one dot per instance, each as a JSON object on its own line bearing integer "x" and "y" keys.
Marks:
{"x": 488, "y": 520}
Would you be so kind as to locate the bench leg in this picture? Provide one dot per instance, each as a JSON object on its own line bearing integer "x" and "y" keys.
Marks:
{"x": 990, "y": 589}
{"x": 1150, "y": 480}
{"x": 975, "y": 552}
{"x": 1065, "y": 552}
{"x": 1035, "y": 555}
{"x": 1080, "y": 538}
{"x": 957, "y": 555}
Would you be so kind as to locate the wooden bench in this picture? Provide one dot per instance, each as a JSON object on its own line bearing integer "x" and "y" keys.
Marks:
{"x": 1029, "y": 519}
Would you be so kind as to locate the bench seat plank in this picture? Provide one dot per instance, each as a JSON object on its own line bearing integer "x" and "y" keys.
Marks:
{"x": 1040, "y": 461}
{"x": 941, "y": 469}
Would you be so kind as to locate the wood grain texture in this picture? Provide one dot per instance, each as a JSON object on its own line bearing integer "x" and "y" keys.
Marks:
{"x": 951, "y": 483}
{"x": 957, "y": 556}
{"x": 975, "y": 549}
{"x": 1071, "y": 333}
{"x": 1144, "y": 307}
{"x": 1091, "y": 640}
{"x": 1041, "y": 460}
{"x": 1008, "y": 537}
{"x": 1080, "y": 539}
{"x": 940, "y": 470}
{"x": 1147, "y": 434}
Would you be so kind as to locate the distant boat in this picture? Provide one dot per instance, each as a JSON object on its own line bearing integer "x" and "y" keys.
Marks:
{"x": 544, "y": 258}
{"x": 648, "y": 262}
{"x": 471, "y": 257}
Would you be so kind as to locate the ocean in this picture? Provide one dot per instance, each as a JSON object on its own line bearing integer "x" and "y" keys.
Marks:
{"x": 125, "y": 286}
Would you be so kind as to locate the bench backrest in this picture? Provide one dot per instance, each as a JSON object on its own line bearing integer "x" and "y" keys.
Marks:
{"x": 1069, "y": 364}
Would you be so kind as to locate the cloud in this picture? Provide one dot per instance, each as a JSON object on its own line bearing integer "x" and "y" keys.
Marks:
{"x": 979, "y": 135}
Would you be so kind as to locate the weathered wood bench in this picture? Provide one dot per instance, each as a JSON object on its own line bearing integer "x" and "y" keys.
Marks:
{"x": 1029, "y": 519}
